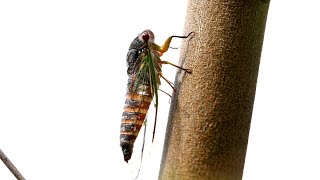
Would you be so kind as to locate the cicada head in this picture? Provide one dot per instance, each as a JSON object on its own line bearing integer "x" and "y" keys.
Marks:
{"x": 147, "y": 36}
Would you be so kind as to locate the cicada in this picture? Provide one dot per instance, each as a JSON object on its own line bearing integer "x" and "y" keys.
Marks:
{"x": 144, "y": 72}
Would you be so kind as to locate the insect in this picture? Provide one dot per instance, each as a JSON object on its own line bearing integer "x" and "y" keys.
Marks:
{"x": 144, "y": 72}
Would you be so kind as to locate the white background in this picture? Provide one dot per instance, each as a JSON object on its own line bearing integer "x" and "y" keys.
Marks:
{"x": 63, "y": 81}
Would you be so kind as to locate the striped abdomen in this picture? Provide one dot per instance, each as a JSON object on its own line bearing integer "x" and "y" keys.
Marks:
{"x": 137, "y": 103}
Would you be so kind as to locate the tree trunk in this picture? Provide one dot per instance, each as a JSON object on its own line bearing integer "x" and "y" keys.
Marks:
{"x": 210, "y": 113}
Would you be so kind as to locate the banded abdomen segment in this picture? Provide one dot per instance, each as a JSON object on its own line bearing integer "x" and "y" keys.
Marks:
{"x": 134, "y": 113}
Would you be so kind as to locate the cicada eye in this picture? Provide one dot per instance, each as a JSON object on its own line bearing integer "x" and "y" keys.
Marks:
{"x": 145, "y": 36}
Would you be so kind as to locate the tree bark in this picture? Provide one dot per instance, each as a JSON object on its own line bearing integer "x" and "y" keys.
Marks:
{"x": 210, "y": 114}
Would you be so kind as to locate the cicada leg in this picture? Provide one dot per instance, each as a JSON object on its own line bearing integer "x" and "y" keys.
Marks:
{"x": 164, "y": 48}
{"x": 165, "y": 92}
{"x": 170, "y": 83}
{"x": 167, "y": 62}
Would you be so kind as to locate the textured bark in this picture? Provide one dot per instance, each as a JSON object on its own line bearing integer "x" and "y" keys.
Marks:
{"x": 210, "y": 114}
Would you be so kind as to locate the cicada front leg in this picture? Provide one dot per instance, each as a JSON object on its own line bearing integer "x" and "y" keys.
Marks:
{"x": 164, "y": 48}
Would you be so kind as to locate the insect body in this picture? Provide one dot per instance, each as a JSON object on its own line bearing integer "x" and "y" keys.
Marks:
{"x": 144, "y": 71}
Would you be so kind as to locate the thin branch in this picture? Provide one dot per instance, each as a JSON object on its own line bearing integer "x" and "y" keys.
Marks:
{"x": 10, "y": 166}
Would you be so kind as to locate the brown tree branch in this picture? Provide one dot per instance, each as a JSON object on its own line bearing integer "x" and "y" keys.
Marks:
{"x": 10, "y": 166}
{"x": 210, "y": 113}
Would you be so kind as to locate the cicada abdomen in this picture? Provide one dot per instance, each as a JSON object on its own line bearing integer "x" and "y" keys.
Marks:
{"x": 144, "y": 72}
{"x": 134, "y": 113}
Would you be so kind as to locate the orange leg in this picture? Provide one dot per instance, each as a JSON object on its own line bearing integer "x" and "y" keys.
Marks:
{"x": 164, "y": 48}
